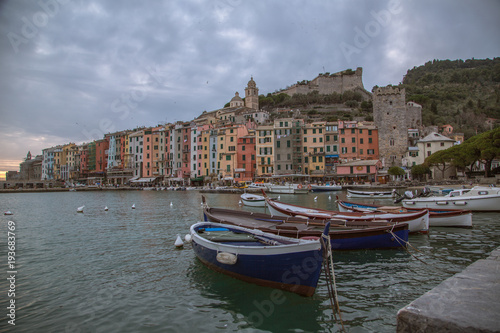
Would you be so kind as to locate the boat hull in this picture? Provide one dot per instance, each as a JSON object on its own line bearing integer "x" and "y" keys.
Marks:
{"x": 417, "y": 221}
{"x": 290, "y": 267}
{"x": 253, "y": 200}
{"x": 325, "y": 188}
{"x": 437, "y": 218}
{"x": 367, "y": 194}
{"x": 375, "y": 235}
{"x": 475, "y": 204}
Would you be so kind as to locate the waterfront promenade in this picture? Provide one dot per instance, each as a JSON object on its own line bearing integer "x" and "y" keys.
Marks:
{"x": 466, "y": 302}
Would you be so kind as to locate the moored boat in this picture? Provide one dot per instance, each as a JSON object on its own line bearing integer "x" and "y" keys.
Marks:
{"x": 344, "y": 234}
{"x": 476, "y": 199}
{"x": 288, "y": 188}
{"x": 437, "y": 217}
{"x": 326, "y": 187}
{"x": 418, "y": 221}
{"x": 253, "y": 200}
{"x": 371, "y": 194}
{"x": 258, "y": 257}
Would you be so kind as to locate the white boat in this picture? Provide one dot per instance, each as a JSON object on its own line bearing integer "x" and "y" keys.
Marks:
{"x": 371, "y": 194}
{"x": 261, "y": 185}
{"x": 253, "y": 200}
{"x": 288, "y": 188}
{"x": 476, "y": 199}
{"x": 325, "y": 188}
{"x": 10, "y": 213}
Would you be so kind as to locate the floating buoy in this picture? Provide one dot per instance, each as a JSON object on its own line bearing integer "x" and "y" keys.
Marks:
{"x": 80, "y": 209}
{"x": 315, "y": 198}
{"x": 106, "y": 208}
{"x": 8, "y": 213}
{"x": 329, "y": 197}
{"x": 171, "y": 203}
{"x": 240, "y": 203}
{"x": 279, "y": 196}
{"x": 133, "y": 206}
{"x": 178, "y": 241}
{"x": 187, "y": 238}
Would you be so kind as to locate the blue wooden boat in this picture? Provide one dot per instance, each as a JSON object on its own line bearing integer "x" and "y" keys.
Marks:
{"x": 258, "y": 257}
{"x": 344, "y": 235}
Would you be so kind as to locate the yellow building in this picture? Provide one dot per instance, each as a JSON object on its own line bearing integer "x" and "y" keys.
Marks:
{"x": 314, "y": 148}
{"x": 264, "y": 145}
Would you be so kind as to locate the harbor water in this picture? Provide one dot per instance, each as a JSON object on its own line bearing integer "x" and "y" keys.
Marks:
{"x": 119, "y": 271}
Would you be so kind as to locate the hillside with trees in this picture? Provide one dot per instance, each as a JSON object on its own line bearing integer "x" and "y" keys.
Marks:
{"x": 456, "y": 92}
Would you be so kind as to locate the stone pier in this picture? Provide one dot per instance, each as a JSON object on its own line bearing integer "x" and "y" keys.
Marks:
{"x": 466, "y": 302}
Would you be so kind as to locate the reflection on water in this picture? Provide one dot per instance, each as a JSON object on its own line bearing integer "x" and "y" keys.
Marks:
{"x": 118, "y": 271}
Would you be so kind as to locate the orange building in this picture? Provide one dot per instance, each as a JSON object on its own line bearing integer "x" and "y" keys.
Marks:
{"x": 358, "y": 141}
{"x": 101, "y": 156}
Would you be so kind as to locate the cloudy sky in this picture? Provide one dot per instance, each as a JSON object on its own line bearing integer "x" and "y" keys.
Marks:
{"x": 72, "y": 70}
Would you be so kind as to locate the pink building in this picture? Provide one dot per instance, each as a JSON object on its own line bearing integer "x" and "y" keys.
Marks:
{"x": 359, "y": 171}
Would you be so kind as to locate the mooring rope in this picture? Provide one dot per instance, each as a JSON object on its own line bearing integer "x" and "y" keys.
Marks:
{"x": 399, "y": 240}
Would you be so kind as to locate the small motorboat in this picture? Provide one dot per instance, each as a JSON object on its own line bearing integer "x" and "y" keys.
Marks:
{"x": 476, "y": 199}
{"x": 326, "y": 188}
{"x": 253, "y": 200}
{"x": 10, "y": 213}
{"x": 371, "y": 194}
{"x": 80, "y": 209}
{"x": 258, "y": 257}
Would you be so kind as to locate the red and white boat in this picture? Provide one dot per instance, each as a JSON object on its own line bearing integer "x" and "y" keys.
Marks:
{"x": 417, "y": 221}
{"x": 437, "y": 217}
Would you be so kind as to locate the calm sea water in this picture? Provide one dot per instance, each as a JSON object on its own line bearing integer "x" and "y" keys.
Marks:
{"x": 119, "y": 271}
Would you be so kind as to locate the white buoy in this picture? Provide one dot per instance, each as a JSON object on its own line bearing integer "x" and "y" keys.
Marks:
{"x": 80, "y": 209}
{"x": 171, "y": 203}
{"x": 133, "y": 206}
{"x": 279, "y": 196}
{"x": 178, "y": 241}
{"x": 315, "y": 198}
{"x": 240, "y": 203}
{"x": 8, "y": 213}
{"x": 106, "y": 208}
{"x": 187, "y": 238}
{"x": 329, "y": 197}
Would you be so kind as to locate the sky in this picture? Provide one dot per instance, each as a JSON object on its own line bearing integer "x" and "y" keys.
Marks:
{"x": 74, "y": 70}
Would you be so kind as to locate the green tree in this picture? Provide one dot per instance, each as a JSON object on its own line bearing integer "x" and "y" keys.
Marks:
{"x": 419, "y": 171}
{"x": 396, "y": 171}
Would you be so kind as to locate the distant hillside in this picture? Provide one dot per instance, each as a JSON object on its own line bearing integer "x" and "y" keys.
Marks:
{"x": 456, "y": 92}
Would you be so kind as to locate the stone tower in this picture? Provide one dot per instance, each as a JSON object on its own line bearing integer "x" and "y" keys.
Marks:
{"x": 252, "y": 95}
{"x": 390, "y": 116}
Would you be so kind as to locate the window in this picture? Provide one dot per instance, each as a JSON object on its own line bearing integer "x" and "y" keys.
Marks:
{"x": 442, "y": 144}
{"x": 342, "y": 140}
{"x": 370, "y": 140}
{"x": 353, "y": 140}
{"x": 353, "y": 149}
{"x": 353, "y": 131}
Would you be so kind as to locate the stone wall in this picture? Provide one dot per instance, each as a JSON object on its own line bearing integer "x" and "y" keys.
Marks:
{"x": 390, "y": 117}
{"x": 330, "y": 83}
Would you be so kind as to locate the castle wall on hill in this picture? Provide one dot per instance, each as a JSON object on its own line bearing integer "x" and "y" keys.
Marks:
{"x": 330, "y": 83}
